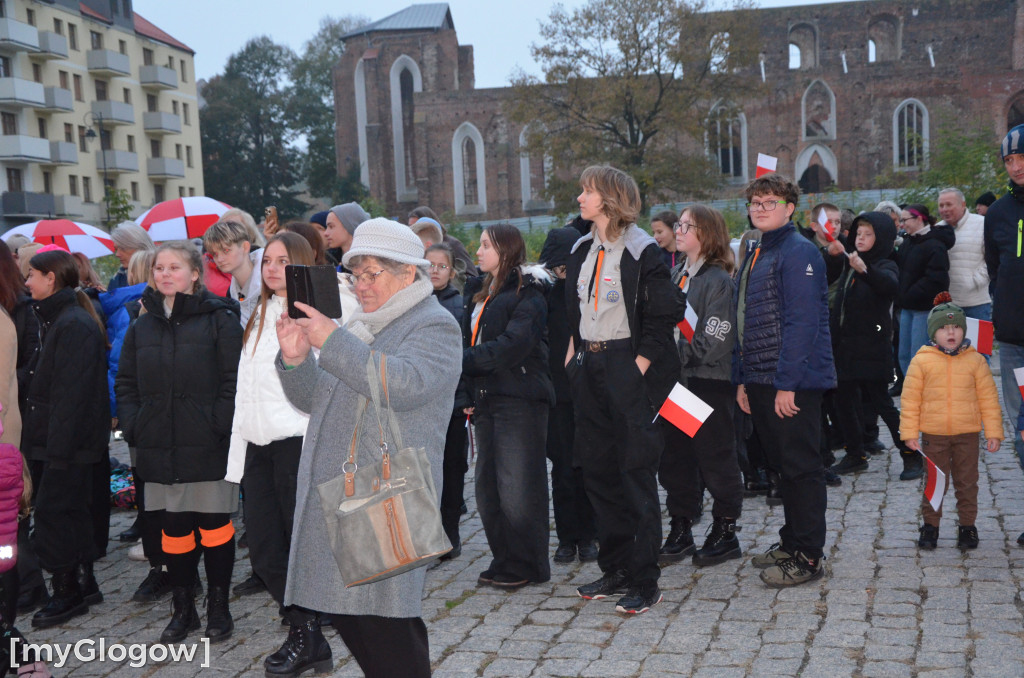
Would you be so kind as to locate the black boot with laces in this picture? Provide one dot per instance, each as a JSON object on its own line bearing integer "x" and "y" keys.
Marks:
{"x": 219, "y": 624}
{"x": 967, "y": 537}
{"x": 304, "y": 649}
{"x": 679, "y": 543}
{"x": 184, "y": 617}
{"x": 721, "y": 544}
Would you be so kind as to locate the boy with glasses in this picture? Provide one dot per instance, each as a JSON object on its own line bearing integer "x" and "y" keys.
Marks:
{"x": 783, "y": 364}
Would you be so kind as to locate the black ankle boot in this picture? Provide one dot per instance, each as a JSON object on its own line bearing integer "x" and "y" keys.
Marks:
{"x": 219, "y": 624}
{"x": 65, "y": 603}
{"x": 721, "y": 544}
{"x": 87, "y": 584}
{"x": 184, "y": 617}
{"x": 774, "y": 495}
{"x": 679, "y": 542}
{"x": 305, "y": 648}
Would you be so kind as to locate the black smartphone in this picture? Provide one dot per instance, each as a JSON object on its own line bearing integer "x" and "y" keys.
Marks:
{"x": 316, "y": 286}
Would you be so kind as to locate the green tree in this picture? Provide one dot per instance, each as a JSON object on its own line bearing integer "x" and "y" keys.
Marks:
{"x": 631, "y": 83}
{"x": 311, "y": 112}
{"x": 119, "y": 206}
{"x": 248, "y": 157}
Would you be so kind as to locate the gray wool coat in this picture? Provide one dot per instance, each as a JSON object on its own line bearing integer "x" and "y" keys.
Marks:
{"x": 424, "y": 360}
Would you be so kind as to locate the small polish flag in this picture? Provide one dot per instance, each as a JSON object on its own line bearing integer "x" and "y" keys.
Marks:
{"x": 935, "y": 488}
{"x": 981, "y": 334}
{"x": 765, "y": 164}
{"x": 826, "y": 225}
{"x": 1019, "y": 374}
{"x": 685, "y": 411}
{"x": 689, "y": 323}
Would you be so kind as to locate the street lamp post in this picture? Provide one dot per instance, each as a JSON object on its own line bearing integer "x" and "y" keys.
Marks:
{"x": 89, "y": 119}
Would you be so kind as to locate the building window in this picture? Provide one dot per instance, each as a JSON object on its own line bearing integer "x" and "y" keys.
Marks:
{"x": 14, "y": 180}
{"x": 910, "y": 136}
{"x": 182, "y": 65}
{"x": 95, "y": 40}
{"x": 1015, "y": 112}
{"x": 69, "y": 133}
{"x": 818, "y": 109}
{"x": 114, "y": 7}
{"x": 883, "y": 39}
{"x": 726, "y": 141}
{"x": 81, "y": 140}
{"x": 5, "y": 67}
{"x": 405, "y": 81}
{"x": 185, "y": 115}
{"x": 64, "y": 79}
{"x": 170, "y": 62}
{"x": 154, "y": 148}
{"x": 469, "y": 173}
{"x": 188, "y": 156}
{"x": 126, "y": 8}
{"x": 78, "y": 87}
{"x": 127, "y": 95}
{"x": 174, "y": 107}
{"x": 177, "y": 151}
{"x": 470, "y": 194}
{"x": 73, "y": 184}
{"x": 151, "y": 105}
{"x": 87, "y": 189}
{"x": 122, "y": 47}
{"x": 803, "y": 47}
{"x": 181, "y": 191}
{"x": 47, "y": 182}
{"x": 106, "y": 141}
{"x": 147, "y": 56}
{"x": 131, "y": 143}
{"x": 58, "y": 26}
{"x": 30, "y": 17}
{"x": 718, "y": 52}
{"x": 9, "y": 123}
{"x": 37, "y": 72}
{"x": 135, "y": 191}
{"x": 158, "y": 192}
{"x": 42, "y": 128}
{"x": 73, "y": 36}
{"x": 101, "y": 90}
{"x": 191, "y": 191}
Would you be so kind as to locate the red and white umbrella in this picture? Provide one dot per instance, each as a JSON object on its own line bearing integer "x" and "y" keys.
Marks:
{"x": 71, "y": 235}
{"x": 181, "y": 218}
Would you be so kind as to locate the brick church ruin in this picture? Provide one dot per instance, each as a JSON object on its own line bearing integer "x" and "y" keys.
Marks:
{"x": 852, "y": 90}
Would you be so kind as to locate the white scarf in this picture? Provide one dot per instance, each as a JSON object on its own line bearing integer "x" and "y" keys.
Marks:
{"x": 366, "y": 325}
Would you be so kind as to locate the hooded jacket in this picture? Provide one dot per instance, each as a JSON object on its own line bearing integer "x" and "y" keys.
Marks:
{"x": 1004, "y": 256}
{"x": 67, "y": 420}
{"x": 862, "y": 314}
{"x": 510, "y": 357}
{"x": 710, "y": 293}
{"x": 923, "y": 261}
{"x": 176, "y": 386}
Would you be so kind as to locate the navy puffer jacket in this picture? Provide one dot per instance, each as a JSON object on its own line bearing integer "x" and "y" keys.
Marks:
{"x": 785, "y": 340}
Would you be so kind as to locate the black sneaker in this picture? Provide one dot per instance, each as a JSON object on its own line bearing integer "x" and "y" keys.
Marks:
{"x": 639, "y": 599}
{"x": 566, "y": 552}
{"x": 831, "y": 479}
{"x": 929, "y": 538}
{"x": 250, "y": 586}
{"x": 850, "y": 464}
{"x": 967, "y": 537}
{"x": 679, "y": 542}
{"x": 799, "y": 569}
{"x": 155, "y": 586}
{"x": 587, "y": 550}
{"x": 611, "y": 584}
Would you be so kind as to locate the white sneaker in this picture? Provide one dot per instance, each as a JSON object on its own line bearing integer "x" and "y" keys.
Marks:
{"x": 137, "y": 553}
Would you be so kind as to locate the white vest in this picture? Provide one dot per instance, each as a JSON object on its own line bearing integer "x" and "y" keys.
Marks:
{"x": 968, "y": 275}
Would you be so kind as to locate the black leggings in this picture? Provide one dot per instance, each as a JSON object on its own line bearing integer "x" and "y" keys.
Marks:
{"x": 181, "y": 548}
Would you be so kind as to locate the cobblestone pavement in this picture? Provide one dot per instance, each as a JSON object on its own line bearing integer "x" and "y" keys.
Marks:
{"x": 887, "y": 609}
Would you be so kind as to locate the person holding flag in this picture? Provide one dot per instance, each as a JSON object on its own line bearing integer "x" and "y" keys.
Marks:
{"x": 621, "y": 364}
{"x": 782, "y": 365}
{"x": 948, "y": 397}
{"x": 704, "y": 276}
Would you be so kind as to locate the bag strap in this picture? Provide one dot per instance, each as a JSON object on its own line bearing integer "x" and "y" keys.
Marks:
{"x": 350, "y": 467}
{"x": 378, "y": 381}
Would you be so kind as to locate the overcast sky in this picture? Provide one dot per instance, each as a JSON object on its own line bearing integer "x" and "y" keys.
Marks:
{"x": 500, "y": 32}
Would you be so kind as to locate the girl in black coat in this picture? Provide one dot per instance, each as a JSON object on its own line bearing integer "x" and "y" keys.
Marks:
{"x": 176, "y": 397}
{"x": 862, "y": 337}
{"x": 505, "y": 363}
{"x": 66, "y": 431}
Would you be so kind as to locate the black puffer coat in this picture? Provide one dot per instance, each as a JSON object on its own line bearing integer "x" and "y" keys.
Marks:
{"x": 510, "y": 357}
{"x": 68, "y": 408}
{"x": 26, "y": 326}
{"x": 176, "y": 386}
{"x": 924, "y": 268}
{"x": 862, "y": 313}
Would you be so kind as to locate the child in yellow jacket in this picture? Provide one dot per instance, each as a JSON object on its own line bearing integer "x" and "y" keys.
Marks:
{"x": 948, "y": 396}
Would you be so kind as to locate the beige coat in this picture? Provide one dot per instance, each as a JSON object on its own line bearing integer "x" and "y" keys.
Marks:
{"x": 10, "y": 416}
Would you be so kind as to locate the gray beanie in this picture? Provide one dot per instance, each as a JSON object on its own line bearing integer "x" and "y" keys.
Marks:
{"x": 386, "y": 239}
{"x": 351, "y": 214}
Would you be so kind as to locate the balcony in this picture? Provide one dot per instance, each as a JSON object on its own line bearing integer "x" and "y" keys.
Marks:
{"x": 18, "y": 147}
{"x": 57, "y": 99}
{"x": 161, "y": 123}
{"x": 117, "y": 162}
{"x": 113, "y": 112}
{"x": 16, "y": 36}
{"x": 51, "y": 46}
{"x": 25, "y": 204}
{"x": 21, "y": 93}
{"x": 158, "y": 77}
{"x": 106, "y": 62}
{"x": 68, "y": 206}
{"x": 165, "y": 168}
{"x": 63, "y": 153}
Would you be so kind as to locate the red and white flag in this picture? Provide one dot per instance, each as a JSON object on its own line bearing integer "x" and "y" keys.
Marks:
{"x": 689, "y": 323}
{"x": 765, "y": 164}
{"x": 935, "y": 488}
{"x": 1019, "y": 373}
{"x": 981, "y": 334}
{"x": 826, "y": 225}
{"x": 685, "y": 411}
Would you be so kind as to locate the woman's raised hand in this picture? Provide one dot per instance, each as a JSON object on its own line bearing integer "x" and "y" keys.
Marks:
{"x": 294, "y": 345}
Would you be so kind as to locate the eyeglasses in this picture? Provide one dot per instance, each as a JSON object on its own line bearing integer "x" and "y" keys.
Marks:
{"x": 904, "y": 220}
{"x": 367, "y": 278}
{"x": 683, "y": 226}
{"x": 439, "y": 267}
{"x": 767, "y": 206}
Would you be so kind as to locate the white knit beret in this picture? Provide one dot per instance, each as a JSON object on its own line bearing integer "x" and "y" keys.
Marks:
{"x": 386, "y": 239}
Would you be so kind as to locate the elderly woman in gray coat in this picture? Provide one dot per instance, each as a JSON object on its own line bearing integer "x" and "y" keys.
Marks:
{"x": 379, "y": 622}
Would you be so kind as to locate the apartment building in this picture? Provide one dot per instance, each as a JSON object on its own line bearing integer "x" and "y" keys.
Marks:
{"x": 92, "y": 95}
